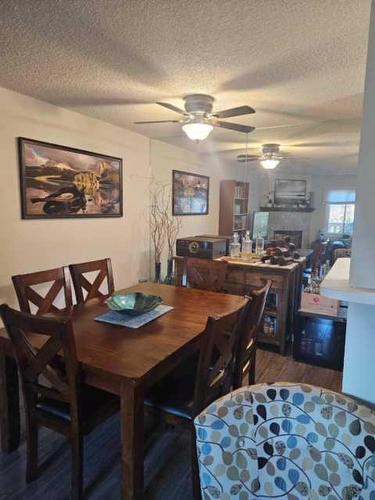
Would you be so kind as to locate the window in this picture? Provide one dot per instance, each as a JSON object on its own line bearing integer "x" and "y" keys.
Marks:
{"x": 341, "y": 205}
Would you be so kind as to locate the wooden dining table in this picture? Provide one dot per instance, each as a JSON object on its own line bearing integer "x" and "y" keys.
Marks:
{"x": 123, "y": 361}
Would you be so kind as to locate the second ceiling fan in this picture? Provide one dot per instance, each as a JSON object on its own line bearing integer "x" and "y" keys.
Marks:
{"x": 198, "y": 119}
{"x": 269, "y": 159}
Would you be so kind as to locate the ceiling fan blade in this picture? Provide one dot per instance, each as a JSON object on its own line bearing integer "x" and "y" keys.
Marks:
{"x": 246, "y": 158}
{"x": 172, "y": 108}
{"x": 241, "y": 110}
{"x": 246, "y": 129}
{"x": 280, "y": 126}
{"x": 158, "y": 121}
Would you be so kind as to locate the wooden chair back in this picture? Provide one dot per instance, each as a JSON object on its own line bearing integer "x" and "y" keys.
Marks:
{"x": 341, "y": 252}
{"x": 26, "y": 294}
{"x": 205, "y": 274}
{"x": 320, "y": 254}
{"x": 217, "y": 354}
{"x": 51, "y": 371}
{"x": 86, "y": 290}
{"x": 246, "y": 345}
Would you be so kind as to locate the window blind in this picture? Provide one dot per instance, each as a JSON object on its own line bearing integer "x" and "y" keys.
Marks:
{"x": 341, "y": 196}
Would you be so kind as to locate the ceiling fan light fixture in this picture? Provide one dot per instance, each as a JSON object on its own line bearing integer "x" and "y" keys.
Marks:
{"x": 269, "y": 163}
{"x": 197, "y": 131}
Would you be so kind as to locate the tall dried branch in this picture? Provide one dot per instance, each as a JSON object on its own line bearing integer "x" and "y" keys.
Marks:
{"x": 172, "y": 228}
{"x": 158, "y": 221}
{"x": 172, "y": 223}
{"x": 164, "y": 226}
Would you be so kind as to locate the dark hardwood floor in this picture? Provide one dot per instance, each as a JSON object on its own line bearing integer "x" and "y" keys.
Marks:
{"x": 167, "y": 464}
{"x": 273, "y": 367}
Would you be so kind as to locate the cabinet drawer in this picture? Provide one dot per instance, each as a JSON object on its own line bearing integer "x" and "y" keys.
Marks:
{"x": 235, "y": 288}
{"x": 236, "y": 276}
{"x": 258, "y": 280}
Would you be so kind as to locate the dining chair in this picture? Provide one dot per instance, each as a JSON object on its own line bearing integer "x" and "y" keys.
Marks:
{"x": 205, "y": 274}
{"x": 247, "y": 343}
{"x": 54, "y": 394}
{"x": 25, "y": 284}
{"x": 178, "y": 399}
{"x": 341, "y": 252}
{"x": 286, "y": 440}
{"x": 85, "y": 289}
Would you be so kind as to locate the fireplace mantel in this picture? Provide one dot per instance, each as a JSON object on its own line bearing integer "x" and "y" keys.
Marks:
{"x": 286, "y": 209}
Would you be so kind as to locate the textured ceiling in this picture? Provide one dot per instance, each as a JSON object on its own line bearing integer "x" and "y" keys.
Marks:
{"x": 299, "y": 63}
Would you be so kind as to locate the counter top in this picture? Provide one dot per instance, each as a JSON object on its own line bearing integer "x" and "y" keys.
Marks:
{"x": 336, "y": 285}
{"x": 261, "y": 265}
{"x": 257, "y": 265}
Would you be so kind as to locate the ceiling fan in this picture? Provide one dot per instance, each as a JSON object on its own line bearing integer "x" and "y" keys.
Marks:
{"x": 198, "y": 120}
{"x": 269, "y": 159}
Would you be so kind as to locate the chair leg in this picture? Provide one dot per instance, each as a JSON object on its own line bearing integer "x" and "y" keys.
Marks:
{"x": 32, "y": 450}
{"x": 252, "y": 370}
{"x": 77, "y": 467}
{"x": 251, "y": 380}
{"x": 195, "y": 467}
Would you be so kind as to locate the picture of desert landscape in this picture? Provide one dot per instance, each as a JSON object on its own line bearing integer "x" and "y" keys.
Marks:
{"x": 58, "y": 181}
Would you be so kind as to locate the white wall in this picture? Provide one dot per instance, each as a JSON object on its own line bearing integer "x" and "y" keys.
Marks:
{"x": 264, "y": 182}
{"x": 31, "y": 245}
{"x": 165, "y": 158}
{"x": 359, "y": 367}
{"x": 362, "y": 268}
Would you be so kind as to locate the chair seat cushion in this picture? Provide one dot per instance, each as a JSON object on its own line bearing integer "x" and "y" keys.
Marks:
{"x": 93, "y": 403}
{"x": 174, "y": 394}
{"x": 182, "y": 409}
{"x": 285, "y": 440}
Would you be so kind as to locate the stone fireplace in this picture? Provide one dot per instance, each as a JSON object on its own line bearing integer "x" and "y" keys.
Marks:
{"x": 295, "y": 236}
{"x": 288, "y": 224}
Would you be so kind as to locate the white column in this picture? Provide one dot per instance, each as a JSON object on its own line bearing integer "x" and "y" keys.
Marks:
{"x": 359, "y": 363}
{"x": 358, "y": 287}
{"x": 363, "y": 260}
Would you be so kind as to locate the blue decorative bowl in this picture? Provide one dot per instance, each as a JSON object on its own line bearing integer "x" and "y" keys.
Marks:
{"x": 133, "y": 303}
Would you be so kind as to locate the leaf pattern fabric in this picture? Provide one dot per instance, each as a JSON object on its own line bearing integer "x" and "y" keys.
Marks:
{"x": 288, "y": 441}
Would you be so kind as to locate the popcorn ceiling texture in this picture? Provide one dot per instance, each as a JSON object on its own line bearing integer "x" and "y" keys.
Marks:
{"x": 299, "y": 63}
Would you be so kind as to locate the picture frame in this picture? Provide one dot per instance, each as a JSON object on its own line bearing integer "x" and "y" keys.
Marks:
{"x": 190, "y": 193}
{"x": 290, "y": 191}
{"x": 58, "y": 182}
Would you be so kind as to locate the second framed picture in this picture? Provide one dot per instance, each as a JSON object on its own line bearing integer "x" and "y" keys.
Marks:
{"x": 190, "y": 193}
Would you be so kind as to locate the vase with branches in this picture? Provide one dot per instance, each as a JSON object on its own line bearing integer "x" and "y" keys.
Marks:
{"x": 164, "y": 229}
{"x": 157, "y": 227}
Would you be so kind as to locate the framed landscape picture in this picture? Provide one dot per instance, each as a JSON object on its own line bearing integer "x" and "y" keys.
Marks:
{"x": 190, "y": 193}
{"x": 59, "y": 182}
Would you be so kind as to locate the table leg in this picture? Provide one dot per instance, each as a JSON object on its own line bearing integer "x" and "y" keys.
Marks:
{"x": 132, "y": 420}
{"x": 9, "y": 404}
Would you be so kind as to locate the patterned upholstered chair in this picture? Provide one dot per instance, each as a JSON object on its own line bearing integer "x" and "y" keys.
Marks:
{"x": 286, "y": 441}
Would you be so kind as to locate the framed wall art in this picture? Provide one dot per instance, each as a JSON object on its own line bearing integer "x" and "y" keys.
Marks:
{"x": 290, "y": 191}
{"x": 60, "y": 181}
{"x": 190, "y": 193}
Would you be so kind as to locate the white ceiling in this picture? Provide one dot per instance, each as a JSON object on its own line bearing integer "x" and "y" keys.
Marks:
{"x": 299, "y": 63}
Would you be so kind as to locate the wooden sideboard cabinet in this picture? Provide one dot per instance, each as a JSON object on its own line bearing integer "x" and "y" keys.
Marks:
{"x": 283, "y": 300}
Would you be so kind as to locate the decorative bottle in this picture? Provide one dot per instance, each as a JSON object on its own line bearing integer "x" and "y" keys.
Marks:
{"x": 259, "y": 245}
{"x": 235, "y": 246}
{"x": 247, "y": 246}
